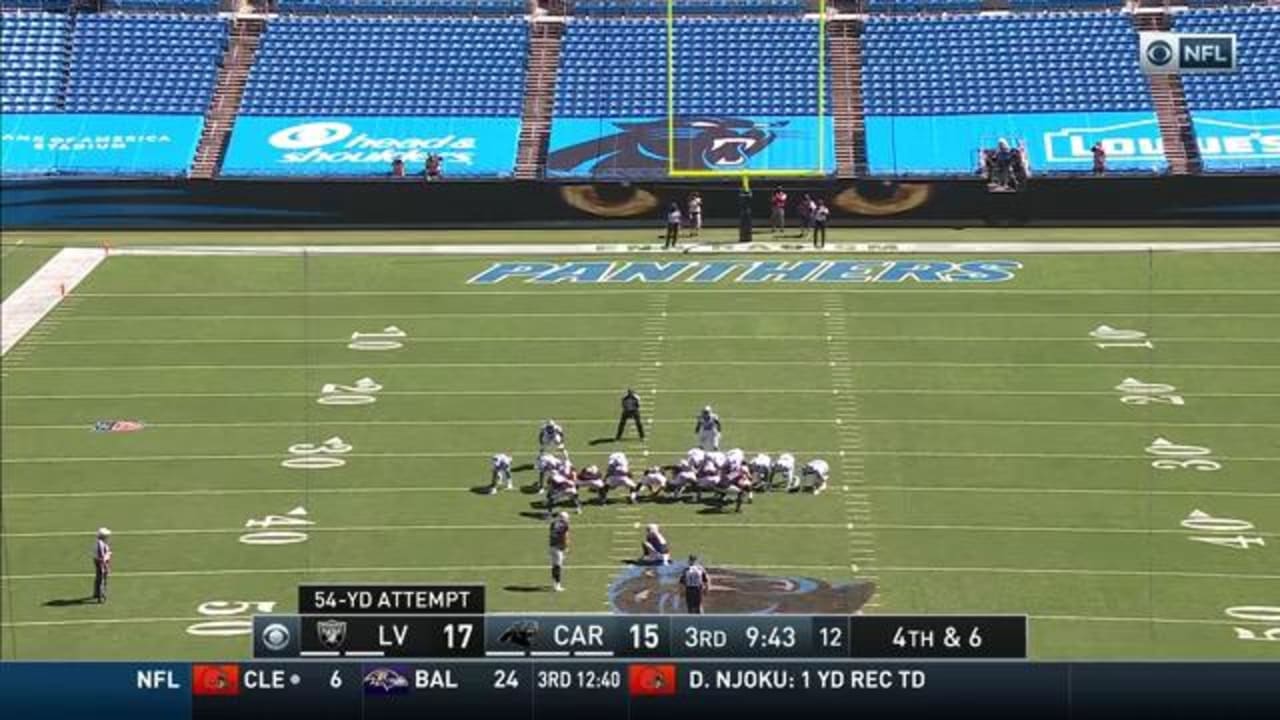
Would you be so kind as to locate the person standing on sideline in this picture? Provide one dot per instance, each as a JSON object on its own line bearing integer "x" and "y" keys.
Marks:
{"x": 805, "y": 209}
{"x": 630, "y": 411}
{"x": 101, "y": 565}
{"x": 559, "y": 548}
{"x": 673, "y": 227}
{"x": 695, "y": 214}
{"x": 1099, "y": 159}
{"x": 778, "y": 217}
{"x": 820, "y": 215}
{"x": 696, "y": 583}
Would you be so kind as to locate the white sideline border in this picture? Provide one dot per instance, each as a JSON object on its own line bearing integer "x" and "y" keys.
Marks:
{"x": 43, "y": 291}
{"x": 753, "y": 248}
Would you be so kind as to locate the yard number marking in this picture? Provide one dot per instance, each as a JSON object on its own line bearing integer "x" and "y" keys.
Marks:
{"x": 1171, "y": 456}
{"x": 295, "y": 518}
{"x": 308, "y": 456}
{"x": 1110, "y": 337}
{"x": 1136, "y": 392}
{"x": 237, "y": 617}
{"x": 1269, "y": 614}
{"x": 361, "y": 392}
{"x": 1201, "y": 521}
{"x": 385, "y": 340}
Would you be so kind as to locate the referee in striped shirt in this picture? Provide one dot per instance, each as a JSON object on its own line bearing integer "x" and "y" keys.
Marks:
{"x": 101, "y": 565}
{"x": 696, "y": 583}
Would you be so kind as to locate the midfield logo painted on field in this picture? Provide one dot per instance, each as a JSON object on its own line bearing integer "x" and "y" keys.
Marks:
{"x": 750, "y": 271}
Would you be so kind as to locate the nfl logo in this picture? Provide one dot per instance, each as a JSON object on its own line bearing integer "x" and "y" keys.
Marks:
{"x": 332, "y": 633}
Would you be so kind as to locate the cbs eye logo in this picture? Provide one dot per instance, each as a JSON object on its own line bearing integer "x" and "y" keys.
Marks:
{"x": 1159, "y": 53}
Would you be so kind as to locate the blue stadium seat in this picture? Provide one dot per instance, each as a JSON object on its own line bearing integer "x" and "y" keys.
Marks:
{"x": 34, "y": 48}
{"x": 384, "y": 66}
{"x": 755, "y": 66}
{"x": 1256, "y": 83}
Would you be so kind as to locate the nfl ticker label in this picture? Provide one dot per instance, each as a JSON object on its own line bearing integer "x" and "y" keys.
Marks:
{"x": 391, "y": 599}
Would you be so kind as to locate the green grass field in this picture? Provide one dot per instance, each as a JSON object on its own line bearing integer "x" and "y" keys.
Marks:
{"x": 983, "y": 459}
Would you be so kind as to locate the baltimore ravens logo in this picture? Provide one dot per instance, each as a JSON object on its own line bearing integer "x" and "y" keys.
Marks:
{"x": 386, "y": 681}
{"x": 654, "y": 590}
{"x": 702, "y": 142}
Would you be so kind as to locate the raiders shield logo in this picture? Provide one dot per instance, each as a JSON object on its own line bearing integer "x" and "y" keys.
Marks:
{"x": 332, "y": 633}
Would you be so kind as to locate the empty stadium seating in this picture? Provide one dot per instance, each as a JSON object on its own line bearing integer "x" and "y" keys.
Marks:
{"x": 403, "y": 66}
{"x": 34, "y": 50}
{"x": 938, "y": 89}
{"x": 617, "y": 68}
{"x": 388, "y": 7}
{"x": 992, "y": 64}
{"x": 1256, "y": 83}
{"x": 161, "y": 64}
{"x": 1236, "y": 116}
{"x": 192, "y": 6}
{"x": 705, "y": 7}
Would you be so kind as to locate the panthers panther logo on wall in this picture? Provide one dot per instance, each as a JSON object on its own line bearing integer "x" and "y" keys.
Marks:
{"x": 640, "y": 147}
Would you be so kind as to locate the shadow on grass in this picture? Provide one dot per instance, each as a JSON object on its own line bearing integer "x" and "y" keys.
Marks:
{"x": 68, "y": 602}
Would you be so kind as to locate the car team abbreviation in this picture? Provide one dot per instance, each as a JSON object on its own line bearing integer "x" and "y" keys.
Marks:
{"x": 748, "y": 271}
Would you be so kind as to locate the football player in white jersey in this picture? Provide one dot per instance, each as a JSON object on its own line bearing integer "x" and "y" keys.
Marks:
{"x": 708, "y": 478}
{"x": 619, "y": 476}
{"x": 815, "y": 474}
{"x": 695, "y": 456}
{"x": 786, "y": 467}
{"x": 654, "y": 480}
{"x": 761, "y": 468}
{"x": 618, "y": 462}
{"x": 684, "y": 478}
{"x": 592, "y": 480}
{"x": 546, "y": 465}
{"x": 562, "y": 486}
{"x": 655, "y": 549}
{"x": 551, "y": 439}
{"x": 735, "y": 486}
{"x": 707, "y": 428}
{"x": 501, "y": 465}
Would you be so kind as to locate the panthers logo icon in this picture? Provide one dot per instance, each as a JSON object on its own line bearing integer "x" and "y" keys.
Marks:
{"x": 656, "y": 590}
{"x": 640, "y": 148}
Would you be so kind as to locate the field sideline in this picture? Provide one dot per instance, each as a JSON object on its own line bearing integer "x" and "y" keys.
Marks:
{"x": 984, "y": 454}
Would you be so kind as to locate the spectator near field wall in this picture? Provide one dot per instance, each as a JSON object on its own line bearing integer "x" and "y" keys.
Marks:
{"x": 673, "y": 226}
{"x": 397, "y": 167}
{"x": 1099, "y": 159}
{"x": 432, "y": 169}
{"x": 820, "y": 214}
{"x": 778, "y": 214}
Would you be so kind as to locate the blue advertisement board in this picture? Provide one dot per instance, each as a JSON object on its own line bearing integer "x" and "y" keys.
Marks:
{"x": 366, "y": 145}
{"x": 98, "y": 144}
{"x": 638, "y": 147}
{"x": 1056, "y": 142}
{"x": 1238, "y": 140}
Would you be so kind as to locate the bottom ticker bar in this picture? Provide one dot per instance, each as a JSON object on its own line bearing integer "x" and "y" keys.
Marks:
{"x": 566, "y": 689}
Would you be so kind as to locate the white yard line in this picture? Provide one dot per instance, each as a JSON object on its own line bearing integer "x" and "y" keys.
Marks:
{"x": 630, "y": 364}
{"x": 40, "y": 294}
{"x": 717, "y": 289}
{"x": 864, "y": 529}
{"x": 133, "y": 341}
{"x": 978, "y": 392}
{"x": 668, "y": 421}
{"x": 661, "y": 454}
{"x": 754, "y": 248}
{"x": 362, "y": 490}
{"x": 381, "y": 317}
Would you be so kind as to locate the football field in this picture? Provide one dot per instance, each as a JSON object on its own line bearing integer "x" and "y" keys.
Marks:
{"x": 1091, "y": 438}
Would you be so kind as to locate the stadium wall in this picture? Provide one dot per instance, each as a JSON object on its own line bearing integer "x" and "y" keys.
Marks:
{"x": 411, "y": 203}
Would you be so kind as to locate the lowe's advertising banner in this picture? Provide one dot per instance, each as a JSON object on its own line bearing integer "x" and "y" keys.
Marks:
{"x": 1238, "y": 140}
{"x": 638, "y": 147}
{"x": 1056, "y": 142}
{"x": 98, "y": 144}
{"x": 366, "y": 145}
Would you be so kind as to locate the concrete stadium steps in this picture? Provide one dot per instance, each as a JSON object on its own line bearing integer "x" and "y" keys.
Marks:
{"x": 844, "y": 42}
{"x": 1170, "y": 100}
{"x": 233, "y": 73}
{"x": 539, "y": 97}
